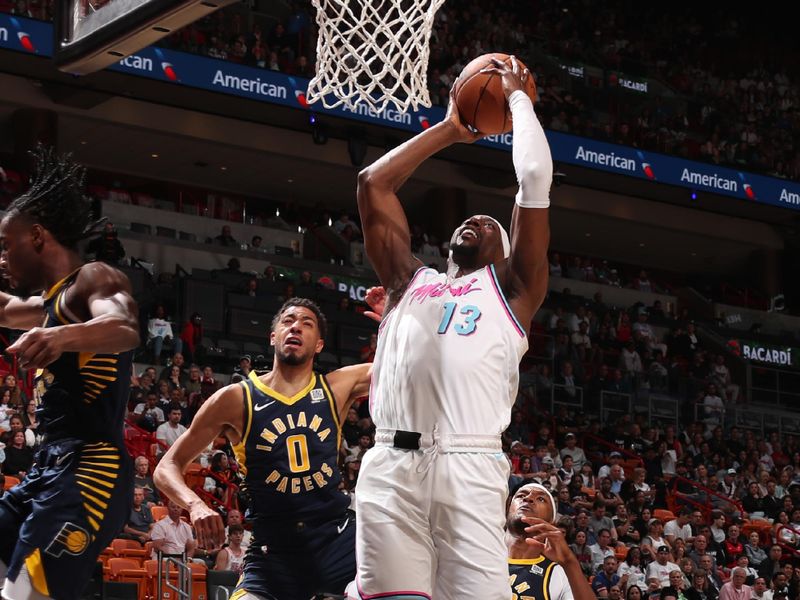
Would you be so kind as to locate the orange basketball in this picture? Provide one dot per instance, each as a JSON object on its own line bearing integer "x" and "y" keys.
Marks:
{"x": 480, "y": 99}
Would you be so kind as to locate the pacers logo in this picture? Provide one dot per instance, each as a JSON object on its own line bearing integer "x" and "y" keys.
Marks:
{"x": 71, "y": 539}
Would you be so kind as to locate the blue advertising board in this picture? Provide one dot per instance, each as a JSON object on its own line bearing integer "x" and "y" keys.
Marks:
{"x": 180, "y": 68}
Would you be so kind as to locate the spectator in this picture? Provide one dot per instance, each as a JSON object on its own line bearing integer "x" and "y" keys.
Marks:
{"x": 208, "y": 383}
{"x": 225, "y": 238}
{"x": 367, "y": 353}
{"x": 573, "y": 450}
{"x": 19, "y": 457}
{"x": 171, "y": 536}
{"x": 168, "y": 433}
{"x": 654, "y": 540}
{"x": 347, "y": 228}
{"x": 732, "y": 547}
{"x": 679, "y": 527}
{"x": 106, "y": 247}
{"x": 140, "y": 521}
{"x": 606, "y": 577}
{"x": 18, "y": 397}
{"x": 601, "y": 549}
{"x": 159, "y": 331}
{"x": 599, "y": 520}
{"x": 7, "y": 410}
{"x": 568, "y": 387}
{"x": 702, "y": 588}
{"x": 256, "y": 244}
{"x": 582, "y": 551}
{"x": 629, "y": 358}
{"x": 144, "y": 481}
{"x": 192, "y": 339}
{"x": 713, "y": 407}
{"x": 722, "y": 377}
{"x": 630, "y": 570}
{"x": 16, "y": 424}
{"x": 226, "y": 481}
{"x": 245, "y": 366}
{"x": 661, "y": 567}
{"x": 231, "y": 557}
{"x": 736, "y": 589}
{"x": 555, "y": 265}
{"x": 235, "y": 518}
{"x": 150, "y": 416}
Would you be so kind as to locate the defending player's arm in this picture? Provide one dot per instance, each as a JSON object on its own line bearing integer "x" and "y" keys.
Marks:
{"x": 530, "y": 226}
{"x": 222, "y": 411}
{"x": 21, "y": 313}
{"x": 386, "y": 234}
{"x": 550, "y": 539}
{"x": 349, "y": 384}
{"x": 102, "y": 296}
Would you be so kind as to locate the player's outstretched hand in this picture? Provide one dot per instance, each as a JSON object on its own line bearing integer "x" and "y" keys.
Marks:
{"x": 208, "y": 526}
{"x": 549, "y": 539}
{"x": 463, "y": 133}
{"x": 37, "y": 348}
{"x": 376, "y": 300}
{"x": 513, "y": 77}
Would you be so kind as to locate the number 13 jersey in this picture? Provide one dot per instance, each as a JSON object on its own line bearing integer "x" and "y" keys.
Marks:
{"x": 448, "y": 355}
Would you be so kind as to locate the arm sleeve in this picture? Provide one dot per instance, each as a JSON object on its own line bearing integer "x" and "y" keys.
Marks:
{"x": 531, "y": 154}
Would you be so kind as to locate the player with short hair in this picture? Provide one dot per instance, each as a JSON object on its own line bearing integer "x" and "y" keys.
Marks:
{"x": 431, "y": 494}
{"x": 540, "y": 562}
{"x": 81, "y": 334}
{"x": 285, "y": 430}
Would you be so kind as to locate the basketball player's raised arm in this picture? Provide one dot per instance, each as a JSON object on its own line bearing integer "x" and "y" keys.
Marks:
{"x": 383, "y": 221}
{"x": 223, "y": 411}
{"x": 21, "y": 313}
{"x": 101, "y": 301}
{"x": 348, "y": 384}
{"x": 530, "y": 224}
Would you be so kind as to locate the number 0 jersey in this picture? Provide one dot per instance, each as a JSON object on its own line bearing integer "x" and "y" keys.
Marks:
{"x": 448, "y": 354}
{"x": 289, "y": 451}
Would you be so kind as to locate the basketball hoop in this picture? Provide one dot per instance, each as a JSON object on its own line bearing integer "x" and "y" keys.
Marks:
{"x": 374, "y": 52}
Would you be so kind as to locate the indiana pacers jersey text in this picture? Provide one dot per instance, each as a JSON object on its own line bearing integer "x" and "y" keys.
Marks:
{"x": 303, "y": 534}
{"x": 537, "y": 579}
{"x": 289, "y": 450}
{"x": 75, "y": 498}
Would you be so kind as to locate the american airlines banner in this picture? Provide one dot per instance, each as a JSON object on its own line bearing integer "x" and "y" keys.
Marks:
{"x": 179, "y": 68}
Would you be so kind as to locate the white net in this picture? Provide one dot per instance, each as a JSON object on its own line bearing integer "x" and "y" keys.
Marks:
{"x": 373, "y": 51}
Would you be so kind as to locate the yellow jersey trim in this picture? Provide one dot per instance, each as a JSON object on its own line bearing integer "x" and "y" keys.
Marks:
{"x": 546, "y": 583}
{"x": 57, "y": 286}
{"x": 36, "y": 572}
{"x": 239, "y": 450}
{"x": 334, "y": 411}
{"x": 526, "y": 561}
{"x": 277, "y": 395}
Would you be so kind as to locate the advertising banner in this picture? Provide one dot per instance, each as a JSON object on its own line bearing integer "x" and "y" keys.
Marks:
{"x": 180, "y": 68}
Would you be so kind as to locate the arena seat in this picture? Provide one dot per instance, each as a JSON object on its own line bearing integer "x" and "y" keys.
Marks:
{"x": 10, "y": 482}
{"x": 663, "y": 514}
{"x": 159, "y": 512}
{"x": 122, "y": 548}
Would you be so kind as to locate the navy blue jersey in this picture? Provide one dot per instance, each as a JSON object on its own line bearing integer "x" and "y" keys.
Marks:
{"x": 537, "y": 579}
{"x": 289, "y": 451}
{"x": 81, "y": 395}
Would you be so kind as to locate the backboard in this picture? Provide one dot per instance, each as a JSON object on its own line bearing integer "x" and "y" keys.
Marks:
{"x": 93, "y": 34}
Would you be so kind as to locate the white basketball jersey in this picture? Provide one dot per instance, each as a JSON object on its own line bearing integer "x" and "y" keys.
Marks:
{"x": 448, "y": 355}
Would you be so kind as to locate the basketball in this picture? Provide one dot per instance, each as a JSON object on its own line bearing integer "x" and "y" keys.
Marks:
{"x": 480, "y": 98}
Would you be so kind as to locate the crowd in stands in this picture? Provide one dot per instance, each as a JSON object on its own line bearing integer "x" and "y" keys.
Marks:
{"x": 732, "y": 108}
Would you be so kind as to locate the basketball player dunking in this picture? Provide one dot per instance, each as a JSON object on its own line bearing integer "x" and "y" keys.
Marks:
{"x": 285, "y": 427}
{"x": 540, "y": 563}
{"x": 82, "y": 330}
{"x": 431, "y": 494}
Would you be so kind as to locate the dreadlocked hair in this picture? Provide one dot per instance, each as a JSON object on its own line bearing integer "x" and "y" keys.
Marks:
{"x": 56, "y": 198}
